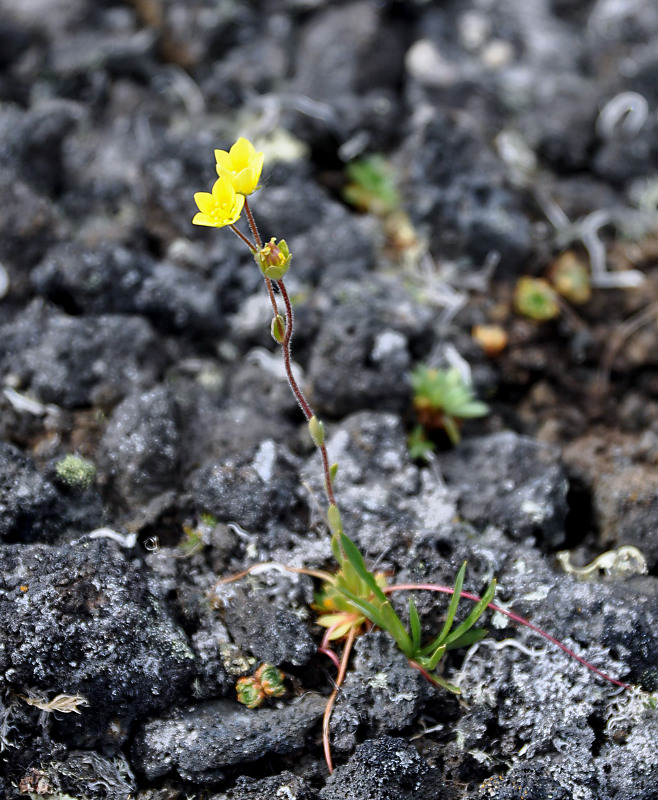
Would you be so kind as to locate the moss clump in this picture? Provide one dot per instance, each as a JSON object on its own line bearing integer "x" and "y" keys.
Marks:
{"x": 76, "y": 472}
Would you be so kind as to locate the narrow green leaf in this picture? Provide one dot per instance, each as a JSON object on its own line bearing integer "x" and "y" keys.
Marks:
{"x": 469, "y": 638}
{"x": 333, "y": 469}
{"x": 475, "y": 614}
{"x": 452, "y": 610}
{"x": 449, "y": 686}
{"x": 452, "y": 429}
{"x": 353, "y": 555}
{"x": 392, "y": 623}
{"x": 335, "y": 549}
{"x": 367, "y": 609}
{"x": 414, "y": 625}
{"x": 436, "y": 656}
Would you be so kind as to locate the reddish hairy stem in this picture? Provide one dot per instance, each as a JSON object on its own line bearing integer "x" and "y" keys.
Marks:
{"x": 299, "y": 395}
{"x": 244, "y": 238}
{"x": 252, "y": 223}
{"x": 432, "y": 587}
{"x": 285, "y": 345}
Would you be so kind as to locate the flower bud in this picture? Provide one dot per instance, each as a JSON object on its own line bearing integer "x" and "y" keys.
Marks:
{"x": 249, "y": 692}
{"x": 278, "y": 329}
{"x": 271, "y": 680}
{"x": 273, "y": 259}
{"x": 316, "y": 429}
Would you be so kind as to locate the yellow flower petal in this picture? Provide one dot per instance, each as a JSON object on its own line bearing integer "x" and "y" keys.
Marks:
{"x": 203, "y": 219}
{"x": 224, "y": 159}
{"x": 242, "y": 153}
{"x": 204, "y": 201}
{"x": 223, "y": 192}
{"x": 241, "y": 166}
{"x": 219, "y": 208}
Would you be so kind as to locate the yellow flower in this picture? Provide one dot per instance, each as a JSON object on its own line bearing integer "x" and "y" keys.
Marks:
{"x": 222, "y": 207}
{"x": 241, "y": 166}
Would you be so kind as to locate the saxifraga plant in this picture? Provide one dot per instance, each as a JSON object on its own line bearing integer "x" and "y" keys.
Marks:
{"x": 442, "y": 399}
{"x": 352, "y": 599}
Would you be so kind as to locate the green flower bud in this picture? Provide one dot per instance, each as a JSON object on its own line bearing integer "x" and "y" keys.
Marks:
{"x": 316, "y": 429}
{"x": 278, "y": 329}
{"x": 335, "y": 522}
{"x": 273, "y": 259}
{"x": 271, "y": 680}
{"x": 249, "y": 692}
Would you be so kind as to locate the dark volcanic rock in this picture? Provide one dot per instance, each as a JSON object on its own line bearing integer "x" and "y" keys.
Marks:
{"x": 461, "y": 194}
{"x": 525, "y": 782}
{"x": 271, "y": 633}
{"x": 139, "y": 452}
{"x": 80, "y": 620}
{"x": 250, "y": 489}
{"x": 376, "y": 481}
{"x": 286, "y": 786}
{"x": 114, "y": 279}
{"x": 32, "y": 509}
{"x": 360, "y": 358}
{"x": 80, "y": 361}
{"x": 200, "y": 742}
{"x": 381, "y": 694}
{"x": 384, "y": 769}
{"x": 29, "y": 222}
{"x": 511, "y": 481}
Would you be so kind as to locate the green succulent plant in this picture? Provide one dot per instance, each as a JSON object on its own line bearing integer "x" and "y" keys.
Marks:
{"x": 371, "y": 186}
{"x": 442, "y": 399}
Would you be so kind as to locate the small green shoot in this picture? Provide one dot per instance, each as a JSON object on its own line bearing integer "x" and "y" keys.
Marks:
{"x": 371, "y": 186}
{"x": 442, "y": 399}
{"x": 536, "y": 299}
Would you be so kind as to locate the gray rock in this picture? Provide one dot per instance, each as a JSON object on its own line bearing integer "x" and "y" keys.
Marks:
{"x": 114, "y": 279}
{"x": 33, "y": 509}
{"x": 80, "y": 773}
{"x": 200, "y": 742}
{"x": 252, "y": 489}
{"x": 360, "y": 358}
{"x": 462, "y": 196}
{"x": 353, "y": 79}
{"x": 272, "y": 633}
{"x": 29, "y": 224}
{"x": 525, "y": 781}
{"x": 80, "y": 620}
{"x": 376, "y": 483}
{"x": 511, "y": 481}
{"x": 286, "y": 786}
{"x": 80, "y": 361}
{"x": 384, "y": 769}
{"x": 381, "y": 693}
{"x": 32, "y": 141}
{"x": 139, "y": 451}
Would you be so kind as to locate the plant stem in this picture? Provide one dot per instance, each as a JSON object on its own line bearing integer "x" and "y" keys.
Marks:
{"x": 246, "y": 240}
{"x": 432, "y": 587}
{"x": 299, "y": 395}
{"x": 252, "y": 223}
{"x": 326, "y": 717}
